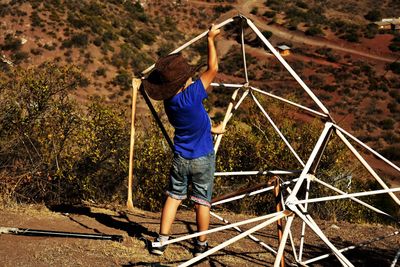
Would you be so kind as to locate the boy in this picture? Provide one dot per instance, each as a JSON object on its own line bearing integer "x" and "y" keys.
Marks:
{"x": 194, "y": 159}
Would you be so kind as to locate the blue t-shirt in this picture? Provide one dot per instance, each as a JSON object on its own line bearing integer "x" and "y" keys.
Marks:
{"x": 192, "y": 125}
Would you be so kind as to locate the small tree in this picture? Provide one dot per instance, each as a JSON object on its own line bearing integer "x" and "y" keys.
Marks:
{"x": 267, "y": 34}
{"x": 314, "y": 30}
{"x": 373, "y": 15}
{"x": 11, "y": 43}
{"x": 395, "y": 67}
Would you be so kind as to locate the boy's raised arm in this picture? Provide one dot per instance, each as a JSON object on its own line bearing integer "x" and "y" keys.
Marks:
{"x": 208, "y": 76}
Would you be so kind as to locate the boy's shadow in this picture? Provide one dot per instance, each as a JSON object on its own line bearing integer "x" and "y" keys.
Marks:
{"x": 120, "y": 221}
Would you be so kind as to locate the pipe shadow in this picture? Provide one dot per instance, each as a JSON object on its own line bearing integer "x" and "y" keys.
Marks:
{"x": 365, "y": 256}
{"x": 119, "y": 222}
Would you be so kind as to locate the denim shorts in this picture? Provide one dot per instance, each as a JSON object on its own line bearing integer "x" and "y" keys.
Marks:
{"x": 199, "y": 173}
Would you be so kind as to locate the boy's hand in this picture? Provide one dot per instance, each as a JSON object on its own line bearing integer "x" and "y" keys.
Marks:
{"x": 218, "y": 129}
{"x": 213, "y": 31}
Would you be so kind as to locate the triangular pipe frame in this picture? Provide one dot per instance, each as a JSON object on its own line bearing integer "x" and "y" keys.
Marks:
{"x": 293, "y": 207}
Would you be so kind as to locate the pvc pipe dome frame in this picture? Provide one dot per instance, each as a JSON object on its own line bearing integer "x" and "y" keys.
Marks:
{"x": 294, "y": 207}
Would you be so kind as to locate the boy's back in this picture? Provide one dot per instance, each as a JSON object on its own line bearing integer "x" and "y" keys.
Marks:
{"x": 192, "y": 125}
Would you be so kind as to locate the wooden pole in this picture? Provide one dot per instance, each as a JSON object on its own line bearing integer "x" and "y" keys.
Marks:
{"x": 135, "y": 87}
{"x": 277, "y": 194}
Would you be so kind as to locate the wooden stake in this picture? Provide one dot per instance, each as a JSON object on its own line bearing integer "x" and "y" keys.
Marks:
{"x": 135, "y": 87}
{"x": 277, "y": 194}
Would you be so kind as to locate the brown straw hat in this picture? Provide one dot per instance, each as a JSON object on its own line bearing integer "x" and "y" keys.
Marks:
{"x": 168, "y": 76}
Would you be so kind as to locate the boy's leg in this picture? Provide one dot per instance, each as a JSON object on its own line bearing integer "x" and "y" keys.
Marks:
{"x": 168, "y": 215}
{"x": 202, "y": 220}
{"x": 202, "y": 183}
{"x": 167, "y": 218}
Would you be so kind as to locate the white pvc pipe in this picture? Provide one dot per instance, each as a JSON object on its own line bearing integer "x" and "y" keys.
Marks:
{"x": 359, "y": 194}
{"x": 238, "y": 104}
{"x": 217, "y": 229}
{"x": 290, "y": 102}
{"x": 191, "y": 42}
{"x": 287, "y": 66}
{"x": 236, "y": 238}
{"x": 283, "y": 242}
{"x": 310, "y": 161}
{"x": 277, "y": 130}
{"x": 395, "y": 259}
{"x": 227, "y": 85}
{"x": 252, "y": 237}
{"x": 303, "y": 227}
{"x": 226, "y": 119}
{"x": 352, "y": 198}
{"x": 321, "y": 235}
{"x": 290, "y": 232}
{"x": 368, "y": 148}
{"x": 242, "y": 196}
{"x": 245, "y": 173}
{"x": 249, "y": 194}
{"x": 366, "y": 165}
{"x": 244, "y": 56}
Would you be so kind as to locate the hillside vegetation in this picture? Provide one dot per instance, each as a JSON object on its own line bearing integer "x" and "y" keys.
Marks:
{"x": 64, "y": 128}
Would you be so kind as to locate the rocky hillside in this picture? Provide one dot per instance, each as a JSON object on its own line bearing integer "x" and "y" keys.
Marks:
{"x": 336, "y": 49}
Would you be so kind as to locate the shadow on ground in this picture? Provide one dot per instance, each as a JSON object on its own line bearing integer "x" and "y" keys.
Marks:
{"x": 120, "y": 221}
{"x": 366, "y": 256}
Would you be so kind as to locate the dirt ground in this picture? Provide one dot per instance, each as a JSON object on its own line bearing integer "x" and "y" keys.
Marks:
{"x": 139, "y": 226}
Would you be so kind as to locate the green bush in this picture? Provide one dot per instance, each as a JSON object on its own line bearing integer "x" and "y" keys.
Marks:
{"x": 373, "y": 15}
{"x": 36, "y": 20}
{"x": 77, "y": 40}
{"x": 153, "y": 158}
{"x": 101, "y": 72}
{"x": 314, "y": 16}
{"x": 395, "y": 67}
{"x": 147, "y": 37}
{"x": 136, "y": 11}
{"x": 387, "y": 124}
{"x": 371, "y": 31}
{"x": 11, "y": 43}
{"x": 301, "y": 4}
{"x": 314, "y": 31}
{"x": 277, "y": 5}
{"x": 19, "y": 56}
{"x": 329, "y": 88}
{"x": 394, "y": 47}
{"x": 254, "y": 10}
{"x": 109, "y": 36}
{"x": 267, "y": 34}
{"x": 60, "y": 152}
{"x": 124, "y": 57}
{"x": 123, "y": 79}
{"x": 222, "y": 9}
{"x": 391, "y": 152}
{"x": 269, "y": 14}
{"x": 351, "y": 37}
{"x": 141, "y": 61}
{"x": 76, "y": 21}
{"x": 165, "y": 49}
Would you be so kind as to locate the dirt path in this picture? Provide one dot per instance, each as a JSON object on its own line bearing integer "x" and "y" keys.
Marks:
{"x": 244, "y": 7}
{"x": 138, "y": 226}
